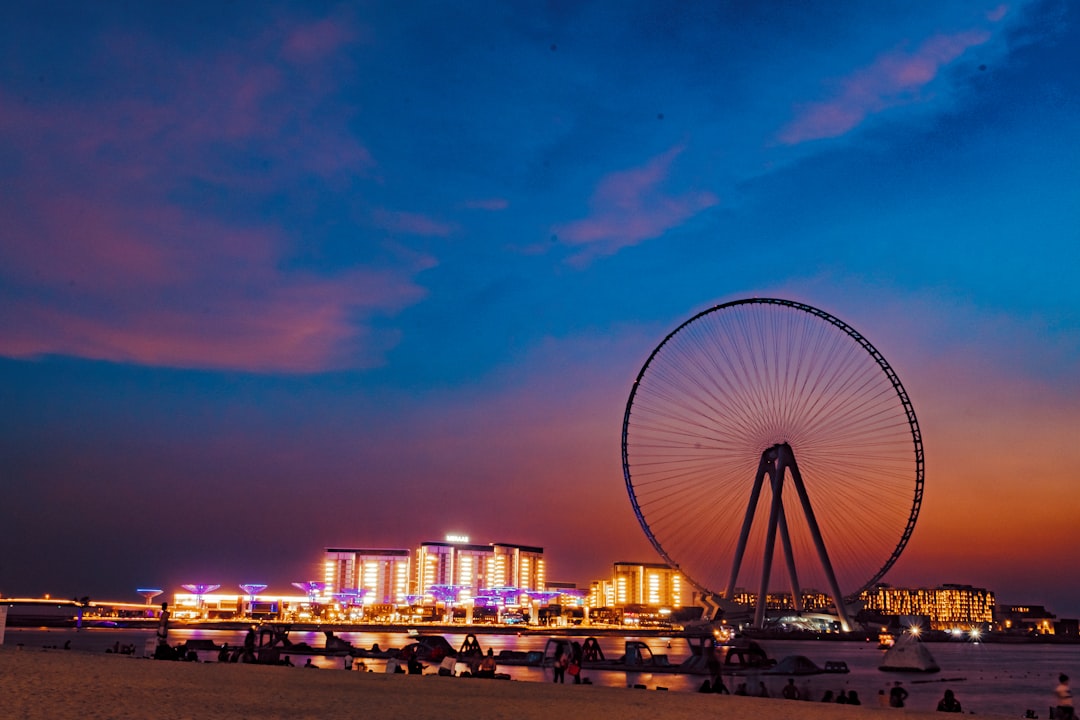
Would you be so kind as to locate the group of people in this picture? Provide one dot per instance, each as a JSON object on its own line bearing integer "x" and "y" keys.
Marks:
{"x": 844, "y": 697}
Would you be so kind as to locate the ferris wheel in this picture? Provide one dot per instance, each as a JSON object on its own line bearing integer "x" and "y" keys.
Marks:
{"x": 765, "y": 420}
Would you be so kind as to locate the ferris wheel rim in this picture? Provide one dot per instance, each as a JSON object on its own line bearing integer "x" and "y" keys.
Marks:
{"x": 873, "y": 352}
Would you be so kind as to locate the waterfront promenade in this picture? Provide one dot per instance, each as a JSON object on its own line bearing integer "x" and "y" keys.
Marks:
{"x": 36, "y": 684}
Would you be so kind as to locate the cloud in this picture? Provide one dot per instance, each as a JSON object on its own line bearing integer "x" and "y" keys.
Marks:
{"x": 314, "y": 41}
{"x": 412, "y": 223}
{"x": 893, "y": 79}
{"x": 156, "y": 286}
{"x": 129, "y": 234}
{"x": 629, "y": 207}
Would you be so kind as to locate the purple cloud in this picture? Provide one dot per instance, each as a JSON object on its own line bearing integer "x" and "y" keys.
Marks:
{"x": 893, "y": 79}
{"x": 103, "y": 258}
{"x": 629, "y": 207}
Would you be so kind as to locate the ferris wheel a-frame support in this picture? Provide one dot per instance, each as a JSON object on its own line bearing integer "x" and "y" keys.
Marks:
{"x": 775, "y": 462}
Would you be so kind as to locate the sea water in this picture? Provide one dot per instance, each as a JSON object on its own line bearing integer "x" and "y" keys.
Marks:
{"x": 987, "y": 678}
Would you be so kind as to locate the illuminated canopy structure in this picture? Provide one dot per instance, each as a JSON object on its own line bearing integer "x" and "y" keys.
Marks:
{"x": 149, "y": 594}
{"x": 761, "y": 420}
{"x": 198, "y": 590}
{"x": 312, "y": 588}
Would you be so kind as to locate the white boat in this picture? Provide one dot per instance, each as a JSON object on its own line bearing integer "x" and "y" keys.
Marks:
{"x": 908, "y": 654}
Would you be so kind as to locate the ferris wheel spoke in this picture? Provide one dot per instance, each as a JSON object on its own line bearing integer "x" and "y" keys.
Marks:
{"x": 745, "y": 377}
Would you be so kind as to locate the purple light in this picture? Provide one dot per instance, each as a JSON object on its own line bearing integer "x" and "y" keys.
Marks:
{"x": 352, "y": 596}
{"x": 445, "y": 593}
{"x": 200, "y": 589}
{"x": 252, "y": 589}
{"x": 502, "y": 594}
{"x": 312, "y": 588}
{"x": 543, "y": 596}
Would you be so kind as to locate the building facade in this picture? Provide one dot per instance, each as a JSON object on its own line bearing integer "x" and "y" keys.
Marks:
{"x": 368, "y": 575}
{"x": 633, "y": 583}
{"x": 469, "y": 570}
{"x": 948, "y": 607}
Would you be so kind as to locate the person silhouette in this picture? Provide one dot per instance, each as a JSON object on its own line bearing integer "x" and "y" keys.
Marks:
{"x": 949, "y": 703}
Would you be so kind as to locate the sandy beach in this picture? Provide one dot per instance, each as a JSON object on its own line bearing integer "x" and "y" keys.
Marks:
{"x": 57, "y": 684}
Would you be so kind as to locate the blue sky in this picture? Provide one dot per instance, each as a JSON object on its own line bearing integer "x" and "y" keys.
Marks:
{"x": 276, "y": 277}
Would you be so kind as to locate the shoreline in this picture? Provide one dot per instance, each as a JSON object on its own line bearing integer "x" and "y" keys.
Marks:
{"x": 40, "y": 684}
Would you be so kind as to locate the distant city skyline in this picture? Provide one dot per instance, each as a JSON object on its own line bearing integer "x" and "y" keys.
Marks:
{"x": 276, "y": 277}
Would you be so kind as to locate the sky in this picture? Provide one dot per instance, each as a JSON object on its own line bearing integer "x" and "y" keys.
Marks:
{"x": 277, "y": 277}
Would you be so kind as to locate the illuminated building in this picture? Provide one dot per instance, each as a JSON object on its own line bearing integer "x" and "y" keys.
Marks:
{"x": 470, "y": 568}
{"x": 520, "y": 566}
{"x": 948, "y": 607}
{"x": 375, "y": 576}
{"x": 1034, "y": 619}
{"x": 651, "y": 584}
{"x": 223, "y": 606}
{"x": 812, "y": 600}
{"x": 602, "y": 594}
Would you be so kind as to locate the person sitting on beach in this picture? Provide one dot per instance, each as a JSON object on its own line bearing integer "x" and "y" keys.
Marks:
{"x": 790, "y": 692}
{"x": 311, "y": 665}
{"x": 949, "y": 703}
{"x": 1064, "y": 710}
{"x": 287, "y": 662}
{"x": 487, "y": 665}
{"x": 414, "y": 665}
{"x": 762, "y": 691}
{"x": 897, "y": 695}
{"x": 842, "y": 698}
{"x": 740, "y": 689}
{"x": 853, "y": 698}
{"x": 828, "y": 697}
{"x": 223, "y": 653}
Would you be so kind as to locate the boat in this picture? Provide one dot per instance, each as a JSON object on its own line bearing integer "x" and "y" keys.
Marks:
{"x": 908, "y": 655}
{"x": 794, "y": 665}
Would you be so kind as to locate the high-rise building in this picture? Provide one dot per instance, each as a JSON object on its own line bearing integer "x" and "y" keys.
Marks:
{"x": 651, "y": 584}
{"x": 471, "y": 568}
{"x": 377, "y": 576}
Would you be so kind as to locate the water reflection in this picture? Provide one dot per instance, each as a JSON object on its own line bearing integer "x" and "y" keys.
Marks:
{"x": 988, "y": 679}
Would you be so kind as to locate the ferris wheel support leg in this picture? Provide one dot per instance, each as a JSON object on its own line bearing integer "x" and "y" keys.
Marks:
{"x": 787, "y": 457}
{"x": 789, "y": 555}
{"x": 776, "y": 509}
{"x": 748, "y": 519}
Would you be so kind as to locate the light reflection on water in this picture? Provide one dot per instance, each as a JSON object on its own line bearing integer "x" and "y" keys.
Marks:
{"x": 988, "y": 679}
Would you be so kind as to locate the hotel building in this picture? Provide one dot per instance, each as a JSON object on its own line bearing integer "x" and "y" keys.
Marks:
{"x": 471, "y": 568}
{"x": 948, "y": 607}
{"x": 371, "y": 576}
{"x": 651, "y": 584}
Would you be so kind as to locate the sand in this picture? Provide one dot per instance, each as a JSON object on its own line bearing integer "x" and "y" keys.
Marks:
{"x": 58, "y": 684}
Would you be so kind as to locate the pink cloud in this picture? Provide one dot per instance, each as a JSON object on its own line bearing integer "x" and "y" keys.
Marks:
{"x": 412, "y": 223}
{"x": 893, "y": 79}
{"x": 316, "y": 40}
{"x": 101, "y": 260}
{"x": 629, "y": 207}
{"x": 156, "y": 286}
